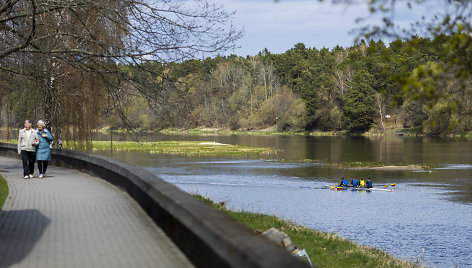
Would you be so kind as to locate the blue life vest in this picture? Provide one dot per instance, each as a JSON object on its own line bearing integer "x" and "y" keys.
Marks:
{"x": 354, "y": 182}
{"x": 344, "y": 182}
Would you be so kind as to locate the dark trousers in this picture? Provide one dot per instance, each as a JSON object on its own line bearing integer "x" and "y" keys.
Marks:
{"x": 28, "y": 159}
{"x": 42, "y": 166}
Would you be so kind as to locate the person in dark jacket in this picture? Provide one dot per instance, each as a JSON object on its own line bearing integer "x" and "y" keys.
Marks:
{"x": 369, "y": 183}
{"x": 27, "y": 139}
{"x": 43, "y": 149}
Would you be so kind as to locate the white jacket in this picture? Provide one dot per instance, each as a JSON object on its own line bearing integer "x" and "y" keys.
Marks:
{"x": 25, "y": 143}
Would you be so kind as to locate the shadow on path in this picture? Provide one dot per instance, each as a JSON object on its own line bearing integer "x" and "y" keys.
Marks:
{"x": 20, "y": 230}
{"x": 11, "y": 165}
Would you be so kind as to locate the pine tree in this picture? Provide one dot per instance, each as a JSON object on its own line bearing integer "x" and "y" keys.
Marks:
{"x": 358, "y": 110}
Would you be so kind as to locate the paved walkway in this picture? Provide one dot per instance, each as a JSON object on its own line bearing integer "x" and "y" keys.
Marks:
{"x": 71, "y": 219}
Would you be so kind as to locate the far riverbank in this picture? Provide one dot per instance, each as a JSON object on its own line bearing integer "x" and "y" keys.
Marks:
{"x": 273, "y": 131}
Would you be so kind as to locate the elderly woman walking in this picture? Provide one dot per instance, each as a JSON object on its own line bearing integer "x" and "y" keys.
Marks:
{"x": 27, "y": 139}
{"x": 43, "y": 149}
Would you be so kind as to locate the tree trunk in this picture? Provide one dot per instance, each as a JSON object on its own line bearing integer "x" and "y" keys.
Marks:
{"x": 8, "y": 120}
{"x": 379, "y": 105}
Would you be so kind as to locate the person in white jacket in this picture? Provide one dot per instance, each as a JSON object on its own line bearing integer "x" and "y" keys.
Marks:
{"x": 27, "y": 141}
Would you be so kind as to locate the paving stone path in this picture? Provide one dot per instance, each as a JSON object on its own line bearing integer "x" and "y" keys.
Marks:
{"x": 71, "y": 219}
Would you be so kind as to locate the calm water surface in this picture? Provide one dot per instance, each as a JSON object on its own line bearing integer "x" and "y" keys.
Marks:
{"x": 428, "y": 216}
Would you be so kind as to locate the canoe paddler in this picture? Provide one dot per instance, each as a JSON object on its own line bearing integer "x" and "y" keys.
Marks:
{"x": 354, "y": 182}
{"x": 369, "y": 183}
{"x": 362, "y": 183}
{"x": 343, "y": 182}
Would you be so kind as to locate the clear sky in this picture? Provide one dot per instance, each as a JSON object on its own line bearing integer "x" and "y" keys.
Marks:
{"x": 279, "y": 25}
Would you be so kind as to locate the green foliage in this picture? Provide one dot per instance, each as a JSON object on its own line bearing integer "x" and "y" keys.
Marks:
{"x": 294, "y": 118}
{"x": 327, "y": 114}
{"x": 437, "y": 100}
{"x": 413, "y": 114}
{"x": 358, "y": 110}
{"x": 422, "y": 83}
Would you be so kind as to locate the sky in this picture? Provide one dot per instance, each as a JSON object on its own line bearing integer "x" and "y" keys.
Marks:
{"x": 279, "y": 25}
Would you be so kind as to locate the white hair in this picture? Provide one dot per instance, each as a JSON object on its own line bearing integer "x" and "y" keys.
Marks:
{"x": 41, "y": 122}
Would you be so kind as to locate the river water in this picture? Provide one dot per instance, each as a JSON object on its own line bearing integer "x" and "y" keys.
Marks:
{"x": 428, "y": 216}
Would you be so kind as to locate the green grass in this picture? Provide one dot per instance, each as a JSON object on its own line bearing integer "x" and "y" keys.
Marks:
{"x": 187, "y": 148}
{"x": 324, "y": 249}
{"x": 9, "y": 141}
{"x": 3, "y": 191}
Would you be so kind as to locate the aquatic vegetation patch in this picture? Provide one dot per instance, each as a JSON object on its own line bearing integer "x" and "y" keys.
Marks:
{"x": 360, "y": 164}
{"x": 227, "y": 132}
{"x": 317, "y": 161}
{"x": 380, "y": 165}
{"x": 187, "y": 148}
{"x": 324, "y": 249}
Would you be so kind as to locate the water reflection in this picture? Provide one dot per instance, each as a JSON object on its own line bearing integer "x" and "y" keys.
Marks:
{"x": 452, "y": 154}
{"x": 389, "y": 149}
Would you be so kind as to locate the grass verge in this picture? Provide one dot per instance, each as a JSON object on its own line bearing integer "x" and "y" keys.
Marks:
{"x": 3, "y": 191}
{"x": 9, "y": 141}
{"x": 187, "y": 148}
{"x": 324, "y": 249}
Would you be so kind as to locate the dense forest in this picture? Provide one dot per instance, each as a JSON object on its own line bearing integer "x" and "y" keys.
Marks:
{"x": 355, "y": 89}
{"x": 371, "y": 86}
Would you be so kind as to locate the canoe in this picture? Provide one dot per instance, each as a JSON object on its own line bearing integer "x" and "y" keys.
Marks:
{"x": 381, "y": 189}
{"x": 343, "y": 188}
